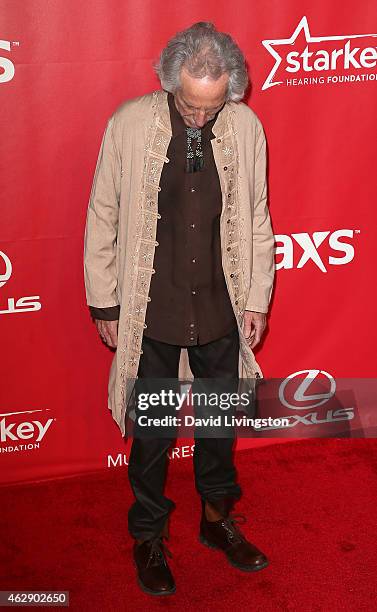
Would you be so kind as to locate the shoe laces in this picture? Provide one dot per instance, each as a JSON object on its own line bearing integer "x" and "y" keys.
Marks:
{"x": 230, "y": 524}
{"x": 157, "y": 550}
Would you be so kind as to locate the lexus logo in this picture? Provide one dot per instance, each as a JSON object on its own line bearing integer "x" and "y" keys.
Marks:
{"x": 15, "y": 305}
{"x": 5, "y": 276}
{"x": 295, "y": 394}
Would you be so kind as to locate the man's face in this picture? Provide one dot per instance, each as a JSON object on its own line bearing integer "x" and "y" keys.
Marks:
{"x": 198, "y": 100}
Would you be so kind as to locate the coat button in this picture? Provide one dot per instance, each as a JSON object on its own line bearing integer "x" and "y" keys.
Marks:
{"x": 225, "y": 168}
{"x": 218, "y": 140}
{"x": 228, "y": 248}
{"x": 232, "y": 275}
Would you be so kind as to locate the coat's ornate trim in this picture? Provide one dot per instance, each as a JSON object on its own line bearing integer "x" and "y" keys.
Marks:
{"x": 229, "y": 164}
{"x": 143, "y": 256}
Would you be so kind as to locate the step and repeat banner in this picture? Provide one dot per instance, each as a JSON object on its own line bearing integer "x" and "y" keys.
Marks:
{"x": 64, "y": 68}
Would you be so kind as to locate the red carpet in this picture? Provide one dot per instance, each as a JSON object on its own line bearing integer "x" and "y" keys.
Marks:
{"x": 311, "y": 507}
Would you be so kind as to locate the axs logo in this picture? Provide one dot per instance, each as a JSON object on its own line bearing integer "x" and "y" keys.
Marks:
{"x": 6, "y": 66}
{"x": 311, "y": 249}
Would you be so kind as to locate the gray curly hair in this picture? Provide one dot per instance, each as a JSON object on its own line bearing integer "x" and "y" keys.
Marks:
{"x": 203, "y": 51}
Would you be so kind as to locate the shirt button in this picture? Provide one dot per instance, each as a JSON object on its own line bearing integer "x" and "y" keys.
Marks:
{"x": 192, "y": 324}
{"x": 193, "y": 260}
{"x": 193, "y": 292}
{"x": 192, "y": 189}
{"x": 192, "y": 225}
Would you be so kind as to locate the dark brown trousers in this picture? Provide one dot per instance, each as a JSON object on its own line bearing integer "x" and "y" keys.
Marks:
{"x": 215, "y": 474}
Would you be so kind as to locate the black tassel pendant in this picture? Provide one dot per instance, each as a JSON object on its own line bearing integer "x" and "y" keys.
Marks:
{"x": 194, "y": 160}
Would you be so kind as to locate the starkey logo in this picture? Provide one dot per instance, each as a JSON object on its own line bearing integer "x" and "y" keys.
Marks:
{"x": 20, "y": 432}
{"x": 304, "y": 59}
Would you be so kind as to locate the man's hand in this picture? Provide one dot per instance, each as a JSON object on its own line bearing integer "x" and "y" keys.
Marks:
{"x": 258, "y": 321}
{"x": 108, "y": 330}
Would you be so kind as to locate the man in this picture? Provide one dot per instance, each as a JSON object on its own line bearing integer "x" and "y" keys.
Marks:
{"x": 182, "y": 169}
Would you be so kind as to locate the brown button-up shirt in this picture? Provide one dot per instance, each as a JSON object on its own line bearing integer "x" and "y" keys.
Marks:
{"x": 189, "y": 303}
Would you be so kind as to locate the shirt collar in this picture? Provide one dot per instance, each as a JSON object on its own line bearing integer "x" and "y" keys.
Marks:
{"x": 178, "y": 125}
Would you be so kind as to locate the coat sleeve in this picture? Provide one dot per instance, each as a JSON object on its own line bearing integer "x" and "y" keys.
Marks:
{"x": 100, "y": 274}
{"x": 263, "y": 271}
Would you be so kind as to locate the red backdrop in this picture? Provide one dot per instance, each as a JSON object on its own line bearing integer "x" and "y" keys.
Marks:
{"x": 64, "y": 68}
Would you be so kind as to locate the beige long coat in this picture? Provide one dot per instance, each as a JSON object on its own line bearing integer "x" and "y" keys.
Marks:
{"x": 122, "y": 217}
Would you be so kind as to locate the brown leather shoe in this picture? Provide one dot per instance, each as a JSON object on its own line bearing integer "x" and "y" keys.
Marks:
{"x": 154, "y": 575}
{"x": 224, "y": 535}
